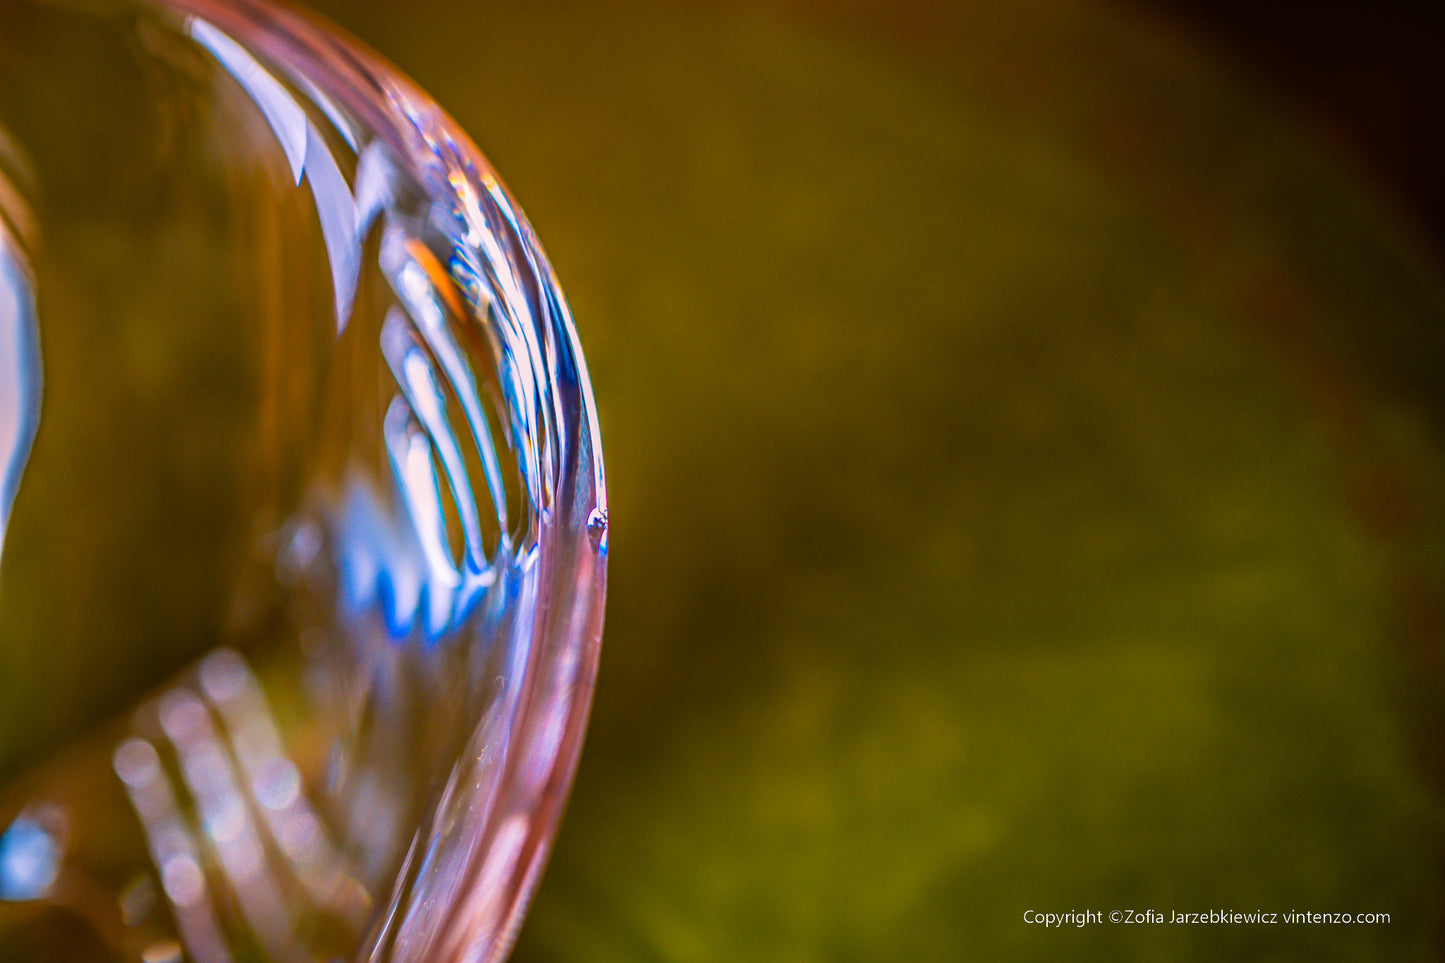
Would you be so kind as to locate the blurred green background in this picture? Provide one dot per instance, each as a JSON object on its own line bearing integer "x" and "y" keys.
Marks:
{"x": 1026, "y": 475}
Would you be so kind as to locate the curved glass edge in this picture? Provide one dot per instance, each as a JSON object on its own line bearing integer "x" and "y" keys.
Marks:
{"x": 502, "y": 850}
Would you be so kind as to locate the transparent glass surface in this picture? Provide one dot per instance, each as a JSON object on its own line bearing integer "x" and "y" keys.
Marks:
{"x": 303, "y": 530}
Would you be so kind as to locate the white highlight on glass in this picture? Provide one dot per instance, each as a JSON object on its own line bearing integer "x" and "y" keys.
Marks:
{"x": 19, "y": 378}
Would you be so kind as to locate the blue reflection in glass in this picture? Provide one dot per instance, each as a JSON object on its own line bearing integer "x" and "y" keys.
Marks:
{"x": 19, "y": 379}
{"x": 29, "y": 860}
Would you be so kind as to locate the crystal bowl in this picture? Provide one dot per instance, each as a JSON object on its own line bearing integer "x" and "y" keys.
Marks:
{"x": 303, "y": 527}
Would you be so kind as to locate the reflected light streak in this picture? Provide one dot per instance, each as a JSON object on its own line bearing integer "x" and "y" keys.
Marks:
{"x": 253, "y": 836}
{"x": 275, "y": 786}
{"x": 225, "y": 819}
{"x": 172, "y": 849}
{"x": 413, "y": 372}
{"x": 20, "y": 376}
{"x": 428, "y": 294}
{"x": 307, "y": 153}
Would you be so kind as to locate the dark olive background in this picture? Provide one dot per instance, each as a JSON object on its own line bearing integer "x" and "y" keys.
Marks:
{"x": 1026, "y": 475}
